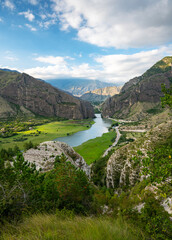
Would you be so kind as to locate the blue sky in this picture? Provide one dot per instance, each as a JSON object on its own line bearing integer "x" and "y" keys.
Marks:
{"x": 112, "y": 40}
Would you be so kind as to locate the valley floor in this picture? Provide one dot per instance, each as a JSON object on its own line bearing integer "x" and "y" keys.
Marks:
{"x": 45, "y": 132}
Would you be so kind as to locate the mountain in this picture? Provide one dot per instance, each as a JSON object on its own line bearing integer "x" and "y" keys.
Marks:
{"x": 140, "y": 97}
{"x": 78, "y": 86}
{"x": 101, "y": 94}
{"x": 23, "y": 94}
{"x": 8, "y": 70}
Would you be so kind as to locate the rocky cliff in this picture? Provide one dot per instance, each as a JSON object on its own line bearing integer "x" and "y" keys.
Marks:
{"x": 121, "y": 169}
{"x": 44, "y": 156}
{"x": 22, "y": 91}
{"x": 101, "y": 94}
{"x": 140, "y": 96}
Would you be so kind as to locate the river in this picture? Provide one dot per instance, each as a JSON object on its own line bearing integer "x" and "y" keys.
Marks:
{"x": 100, "y": 126}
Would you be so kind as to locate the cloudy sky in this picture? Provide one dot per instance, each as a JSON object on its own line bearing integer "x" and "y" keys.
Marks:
{"x": 109, "y": 40}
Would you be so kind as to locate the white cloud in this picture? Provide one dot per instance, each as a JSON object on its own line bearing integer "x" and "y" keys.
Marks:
{"x": 1, "y": 20}
{"x": 9, "y": 4}
{"x": 28, "y": 15}
{"x": 51, "y": 60}
{"x": 33, "y": 29}
{"x": 33, "y": 2}
{"x": 117, "y": 23}
{"x": 112, "y": 68}
{"x": 121, "y": 68}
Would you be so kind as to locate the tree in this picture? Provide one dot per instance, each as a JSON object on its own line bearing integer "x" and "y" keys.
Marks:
{"x": 167, "y": 99}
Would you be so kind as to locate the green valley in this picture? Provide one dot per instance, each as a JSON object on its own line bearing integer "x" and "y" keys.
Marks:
{"x": 39, "y": 133}
{"x": 93, "y": 149}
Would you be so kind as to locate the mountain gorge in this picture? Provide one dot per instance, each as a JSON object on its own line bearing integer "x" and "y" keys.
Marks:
{"x": 77, "y": 86}
{"x": 101, "y": 94}
{"x": 140, "y": 97}
{"x": 23, "y": 94}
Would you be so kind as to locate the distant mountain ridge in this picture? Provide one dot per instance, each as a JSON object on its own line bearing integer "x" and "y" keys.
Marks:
{"x": 25, "y": 95}
{"x": 8, "y": 70}
{"x": 101, "y": 94}
{"x": 77, "y": 86}
{"x": 140, "y": 97}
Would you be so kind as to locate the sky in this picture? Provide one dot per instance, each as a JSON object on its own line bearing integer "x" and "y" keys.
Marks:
{"x": 107, "y": 40}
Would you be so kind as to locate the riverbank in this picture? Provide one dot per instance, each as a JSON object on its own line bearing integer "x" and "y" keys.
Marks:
{"x": 46, "y": 132}
{"x": 93, "y": 149}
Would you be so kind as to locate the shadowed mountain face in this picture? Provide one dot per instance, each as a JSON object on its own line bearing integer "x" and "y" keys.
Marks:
{"x": 78, "y": 87}
{"x": 23, "y": 93}
{"x": 140, "y": 96}
{"x": 101, "y": 94}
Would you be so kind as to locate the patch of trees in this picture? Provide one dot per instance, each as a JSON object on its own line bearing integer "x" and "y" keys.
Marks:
{"x": 23, "y": 189}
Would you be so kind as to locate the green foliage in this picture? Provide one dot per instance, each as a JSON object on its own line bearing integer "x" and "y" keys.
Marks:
{"x": 155, "y": 221}
{"x": 72, "y": 185}
{"x": 167, "y": 99}
{"x": 98, "y": 168}
{"x": 23, "y": 189}
{"x": 162, "y": 66}
{"x": 158, "y": 164}
{"x": 28, "y": 145}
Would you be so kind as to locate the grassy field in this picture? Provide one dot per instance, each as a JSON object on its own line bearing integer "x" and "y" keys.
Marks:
{"x": 94, "y": 148}
{"x": 51, "y": 227}
{"x": 46, "y": 132}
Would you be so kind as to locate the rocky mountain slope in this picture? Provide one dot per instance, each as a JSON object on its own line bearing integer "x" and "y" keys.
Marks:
{"x": 100, "y": 94}
{"x": 122, "y": 170}
{"x": 140, "y": 97}
{"x": 44, "y": 156}
{"x": 77, "y": 86}
{"x": 23, "y": 94}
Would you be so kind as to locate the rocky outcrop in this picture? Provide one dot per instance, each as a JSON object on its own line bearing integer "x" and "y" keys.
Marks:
{"x": 101, "y": 94}
{"x": 121, "y": 169}
{"x": 44, "y": 156}
{"x": 41, "y": 98}
{"x": 78, "y": 86}
{"x": 139, "y": 97}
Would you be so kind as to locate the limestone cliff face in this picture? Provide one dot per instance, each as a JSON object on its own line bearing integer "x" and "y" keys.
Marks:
{"x": 42, "y": 99}
{"x": 107, "y": 91}
{"x": 140, "y": 95}
{"x": 121, "y": 170}
{"x": 44, "y": 156}
{"x": 101, "y": 94}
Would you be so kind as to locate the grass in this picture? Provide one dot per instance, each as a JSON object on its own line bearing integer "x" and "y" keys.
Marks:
{"x": 51, "y": 227}
{"x": 46, "y": 132}
{"x": 93, "y": 149}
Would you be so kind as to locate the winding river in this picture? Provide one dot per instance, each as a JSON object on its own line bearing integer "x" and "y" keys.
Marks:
{"x": 100, "y": 126}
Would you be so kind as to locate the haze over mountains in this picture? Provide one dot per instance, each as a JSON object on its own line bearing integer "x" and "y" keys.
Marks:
{"x": 78, "y": 86}
{"x": 21, "y": 94}
{"x": 140, "y": 97}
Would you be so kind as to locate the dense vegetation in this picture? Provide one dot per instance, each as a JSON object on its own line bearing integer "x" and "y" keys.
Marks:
{"x": 58, "y": 204}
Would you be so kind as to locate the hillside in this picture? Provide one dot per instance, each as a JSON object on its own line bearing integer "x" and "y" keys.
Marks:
{"x": 77, "y": 86}
{"x": 140, "y": 97}
{"x": 101, "y": 94}
{"x": 22, "y": 94}
{"x": 122, "y": 169}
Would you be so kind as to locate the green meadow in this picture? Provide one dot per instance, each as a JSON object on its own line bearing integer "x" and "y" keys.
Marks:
{"x": 93, "y": 149}
{"x": 46, "y": 132}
